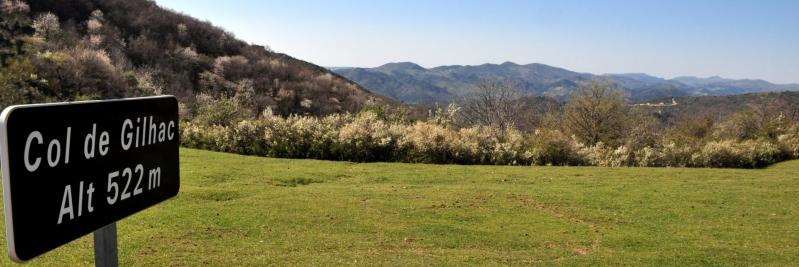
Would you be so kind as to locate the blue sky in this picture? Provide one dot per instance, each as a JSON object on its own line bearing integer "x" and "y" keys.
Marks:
{"x": 734, "y": 39}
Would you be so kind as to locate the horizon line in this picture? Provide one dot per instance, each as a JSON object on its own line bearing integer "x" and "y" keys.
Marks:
{"x": 582, "y": 72}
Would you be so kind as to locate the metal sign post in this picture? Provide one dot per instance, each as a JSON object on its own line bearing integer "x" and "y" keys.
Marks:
{"x": 105, "y": 246}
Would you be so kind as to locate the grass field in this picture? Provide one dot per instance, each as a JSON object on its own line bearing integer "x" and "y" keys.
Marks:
{"x": 236, "y": 210}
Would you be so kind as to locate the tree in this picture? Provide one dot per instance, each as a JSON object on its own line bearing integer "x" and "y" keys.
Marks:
{"x": 46, "y": 26}
{"x": 596, "y": 113}
{"x": 494, "y": 104}
{"x": 695, "y": 127}
{"x": 751, "y": 124}
{"x": 19, "y": 83}
{"x": 643, "y": 131}
{"x": 14, "y": 21}
{"x": 224, "y": 111}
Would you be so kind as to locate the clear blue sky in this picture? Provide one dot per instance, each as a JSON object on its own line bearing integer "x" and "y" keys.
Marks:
{"x": 668, "y": 38}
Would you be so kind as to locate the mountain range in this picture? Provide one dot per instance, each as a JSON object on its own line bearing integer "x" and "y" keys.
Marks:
{"x": 414, "y": 84}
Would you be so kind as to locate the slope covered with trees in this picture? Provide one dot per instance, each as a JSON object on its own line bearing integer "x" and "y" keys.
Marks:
{"x": 412, "y": 83}
{"x": 720, "y": 107}
{"x": 63, "y": 50}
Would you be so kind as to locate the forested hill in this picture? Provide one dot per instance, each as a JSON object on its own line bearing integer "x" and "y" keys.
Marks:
{"x": 411, "y": 83}
{"x": 774, "y": 104}
{"x": 63, "y": 50}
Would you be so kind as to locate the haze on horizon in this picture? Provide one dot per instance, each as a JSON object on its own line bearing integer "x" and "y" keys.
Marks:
{"x": 732, "y": 39}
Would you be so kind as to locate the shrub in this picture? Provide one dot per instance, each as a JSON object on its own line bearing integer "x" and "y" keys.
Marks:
{"x": 510, "y": 148}
{"x": 488, "y": 145}
{"x": 741, "y": 125}
{"x": 213, "y": 137}
{"x": 472, "y": 144}
{"x": 290, "y": 137}
{"x": 678, "y": 154}
{"x": 789, "y": 143}
{"x": 429, "y": 143}
{"x": 222, "y": 137}
{"x": 222, "y": 111}
{"x": 366, "y": 137}
{"x": 650, "y": 157}
{"x": 731, "y": 154}
{"x": 552, "y": 147}
{"x": 606, "y": 156}
{"x": 190, "y": 135}
{"x": 248, "y": 138}
{"x": 325, "y": 143}
{"x": 759, "y": 153}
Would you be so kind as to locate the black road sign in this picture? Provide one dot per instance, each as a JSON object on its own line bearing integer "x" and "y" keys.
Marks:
{"x": 72, "y": 168}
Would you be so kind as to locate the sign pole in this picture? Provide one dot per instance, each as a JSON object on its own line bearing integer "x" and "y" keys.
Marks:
{"x": 105, "y": 246}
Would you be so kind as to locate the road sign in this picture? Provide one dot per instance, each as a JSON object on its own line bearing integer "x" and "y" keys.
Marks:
{"x": 72, "y": 168}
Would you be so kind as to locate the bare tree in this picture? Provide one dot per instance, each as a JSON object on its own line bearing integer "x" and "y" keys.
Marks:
{"x": 596, "y": 113}
{"x": 493, "y": 104}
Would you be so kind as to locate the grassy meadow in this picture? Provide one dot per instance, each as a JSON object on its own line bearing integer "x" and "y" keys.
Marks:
{"x": 244, "y": 211}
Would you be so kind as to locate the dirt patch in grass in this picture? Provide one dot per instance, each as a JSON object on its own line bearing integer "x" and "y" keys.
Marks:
{"x": 214, "y": 195}
{"x": 297, "y": 181}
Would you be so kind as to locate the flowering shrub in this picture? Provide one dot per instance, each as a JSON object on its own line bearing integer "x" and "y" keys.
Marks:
{"x": 678, "y": 155}
{"x": 429, "y": 142}
{"x": 247, "y": 138}
{"x": 206, "y": 137}
{"x": 552, "y": 147}
{"x": 758, "y": 153}
{"x": 747, "y": 154}
{"x": 605, "y": 156}
{"x": 366, "y": 137}
{"x": 789, "y": 144}
{"x": 297, "y": 137}
{"x": 650, "y": 157}
{"x": 510, "y": 150}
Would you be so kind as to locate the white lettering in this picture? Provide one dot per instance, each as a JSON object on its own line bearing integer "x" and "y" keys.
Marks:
{"x": 112, "y": 184}
{"x": 33, "y": 135}
{"x": 171, "y": 134}
{"x": 89, "y": 193}
{"x": 57, "y": 145}
{"x": 66, "y": 205}
{"x": 88, "y": 143}
{"x": 161, "y": 132}
{"x": 104, "y": 143}
{"x": 127, "y": 137}
{"x": 66, "y": 150}
{"x": 154, "y": 179}
{"x": 138, "y": 126}
{"x": 151, "y": 131}
{"x": 80, "y": 199}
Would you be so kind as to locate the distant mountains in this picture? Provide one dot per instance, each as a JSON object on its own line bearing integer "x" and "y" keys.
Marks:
{"x": 411, "y": 83}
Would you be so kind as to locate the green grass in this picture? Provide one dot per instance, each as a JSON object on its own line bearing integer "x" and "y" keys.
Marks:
{"x": 237, "y": 210}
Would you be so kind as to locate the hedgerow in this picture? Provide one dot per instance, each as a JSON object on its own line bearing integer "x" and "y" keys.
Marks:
{"x": 364, "y": 137}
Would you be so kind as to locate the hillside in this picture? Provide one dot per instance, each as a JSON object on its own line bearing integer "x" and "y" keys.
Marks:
{"x": 720, "y": 107}
{"x": 62, "y": 50}
{"x": 412, "y": 83}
